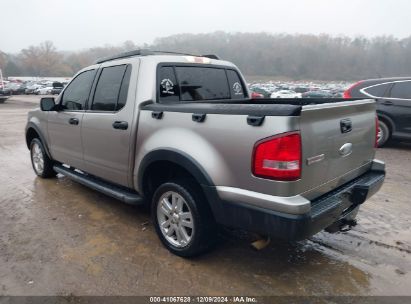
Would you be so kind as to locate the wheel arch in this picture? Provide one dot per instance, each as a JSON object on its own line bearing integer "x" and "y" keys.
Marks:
{"x": 182, "y": 161}
{"x": 32, "y": 131}
{"x": 174, "y": 158}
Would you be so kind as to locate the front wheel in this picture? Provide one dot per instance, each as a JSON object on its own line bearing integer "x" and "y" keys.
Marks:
{"x": 182, "y": 218}
{"x": 383, "y": 134}
{"x": 42, "y": 164}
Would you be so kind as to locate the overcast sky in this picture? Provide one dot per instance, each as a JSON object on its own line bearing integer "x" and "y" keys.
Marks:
{"x": 80, "y": 24}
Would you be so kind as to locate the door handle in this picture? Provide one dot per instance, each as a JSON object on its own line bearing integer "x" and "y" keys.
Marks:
{"x": 73, "y": 121}
{"x": 387, "y": 103}
{"x": 121, "y": 125}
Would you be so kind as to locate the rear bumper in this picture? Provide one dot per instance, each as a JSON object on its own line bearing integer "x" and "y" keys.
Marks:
{"x": 332, "y": 207}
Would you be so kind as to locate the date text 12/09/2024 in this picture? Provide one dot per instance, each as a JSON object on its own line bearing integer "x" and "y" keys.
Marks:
{"x": 200, "y": 299}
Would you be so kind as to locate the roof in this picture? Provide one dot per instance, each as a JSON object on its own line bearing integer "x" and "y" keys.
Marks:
{"x": 387, "y": 79}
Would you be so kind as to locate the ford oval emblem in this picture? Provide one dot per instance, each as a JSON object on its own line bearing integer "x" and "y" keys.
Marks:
{"x": 346, "y": 149}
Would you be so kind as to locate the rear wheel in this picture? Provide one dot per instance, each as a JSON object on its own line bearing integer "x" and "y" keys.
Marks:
{"x": 383, "y": 134}
{"x": 182, "y": 219}
{"x": 42, "y": 164}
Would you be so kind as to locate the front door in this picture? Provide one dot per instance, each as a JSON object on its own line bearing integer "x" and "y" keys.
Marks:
{"x": 64, "y": 125}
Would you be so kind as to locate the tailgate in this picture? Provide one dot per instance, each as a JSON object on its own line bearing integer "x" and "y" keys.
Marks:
{"x": 336, "y": 139}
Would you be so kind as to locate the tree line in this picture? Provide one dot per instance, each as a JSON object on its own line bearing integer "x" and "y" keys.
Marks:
{"x": 297, "y": 57}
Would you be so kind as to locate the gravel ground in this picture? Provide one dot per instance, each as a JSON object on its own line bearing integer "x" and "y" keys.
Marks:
{"x": 60, "y": 238}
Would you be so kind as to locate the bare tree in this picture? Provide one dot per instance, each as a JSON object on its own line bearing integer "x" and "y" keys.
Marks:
{"x": 41, "y": 60}
{"x": 321, "y": 57}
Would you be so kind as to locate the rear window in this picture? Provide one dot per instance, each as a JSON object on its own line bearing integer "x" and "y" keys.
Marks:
{"x": 188, "y": 83}
{"x": 401, "y": 90}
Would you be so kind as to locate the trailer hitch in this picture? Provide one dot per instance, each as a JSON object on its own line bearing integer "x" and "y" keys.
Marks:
{"x": 347, "y": 224}
{"x": 342, "y": 225}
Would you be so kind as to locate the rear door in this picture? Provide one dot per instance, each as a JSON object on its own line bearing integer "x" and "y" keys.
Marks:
{"x": 107, "y": 126}
{"x": 64, "y": 126}
{"x": 336, "y": 139}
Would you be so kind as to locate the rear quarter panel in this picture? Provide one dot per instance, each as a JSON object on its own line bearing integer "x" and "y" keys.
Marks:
{"x": 222, "y": 145}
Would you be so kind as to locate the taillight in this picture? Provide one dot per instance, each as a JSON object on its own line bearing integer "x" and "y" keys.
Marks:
{"x": 377, "y": 126}
{"x": 348, "y": 93}
{"x": 278, "y": 157}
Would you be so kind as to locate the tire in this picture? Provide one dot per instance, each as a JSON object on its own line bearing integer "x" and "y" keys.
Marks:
{"x": 384, "y": 133}
{"x": 183, "y": 197}
{"x": 42, "y": 164}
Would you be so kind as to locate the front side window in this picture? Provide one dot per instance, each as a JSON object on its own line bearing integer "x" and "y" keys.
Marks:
{"x": 108, "y": 89}
{"x": 76, "y": 94}
{"x": 401, "y": 90}
{"x": 202, "y": 83}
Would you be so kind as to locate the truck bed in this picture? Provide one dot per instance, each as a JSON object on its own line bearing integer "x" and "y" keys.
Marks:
{"x": 256, "y": 107}
{"x": 228, "y": 131}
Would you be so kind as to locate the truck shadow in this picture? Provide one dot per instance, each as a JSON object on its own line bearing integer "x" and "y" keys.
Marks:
{"x": 114, "y": 242}
{"x": 397, "y": 145}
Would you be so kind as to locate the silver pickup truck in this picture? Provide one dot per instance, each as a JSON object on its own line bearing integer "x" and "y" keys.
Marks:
{"x": 180, "y": 133}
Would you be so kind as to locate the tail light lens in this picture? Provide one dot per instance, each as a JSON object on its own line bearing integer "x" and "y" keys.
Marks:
{"x": 348, "y": 93}
{"x": 376, "y": 132}
{"x": 278, "y": 157}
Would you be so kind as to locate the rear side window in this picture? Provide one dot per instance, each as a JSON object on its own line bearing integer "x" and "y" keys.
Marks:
{"x": 122, "y": 98}
{"x": 77, "y": 92}
{"x": 237, "y": 90}
{"x": 378, "y": 90}
{"x": 401, "y": 90}
{"x": 202, "y": 83}
{"x": 108, "y": 88}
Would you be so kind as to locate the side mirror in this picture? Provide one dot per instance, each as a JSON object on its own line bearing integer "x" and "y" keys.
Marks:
{"x": 47, "y": 104}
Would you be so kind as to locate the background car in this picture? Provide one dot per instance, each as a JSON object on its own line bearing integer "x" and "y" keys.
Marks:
{"x": 393, "y": 96}
{"x": 285, "y": 94}
{"x": 301, "y": 89}
{"x": 16, "y": 88}
{"x": 255, "y": 95}
{"x": 30, "y": 89}
{"x": 4, "y": 93}
{"x": 318, "y": 94}
{"x": 57, "y": 88}
{"x": 261, "y": 91}
{"x": 44, "y": 90}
